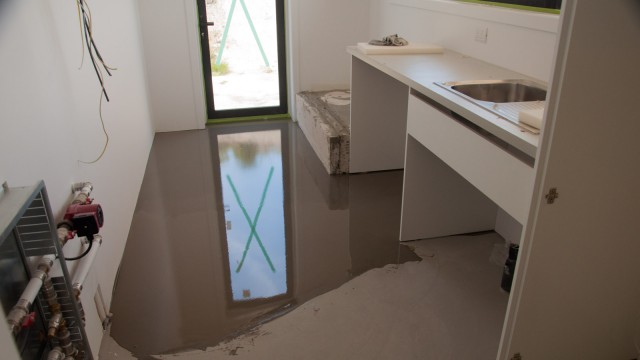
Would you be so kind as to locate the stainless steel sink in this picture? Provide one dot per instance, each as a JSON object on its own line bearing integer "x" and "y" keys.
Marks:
{"x": 505, "y": 98}
{"x": 501, "y": 91}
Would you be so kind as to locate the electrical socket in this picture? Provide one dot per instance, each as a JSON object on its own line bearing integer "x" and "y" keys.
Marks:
{"x": 481, "y": 34}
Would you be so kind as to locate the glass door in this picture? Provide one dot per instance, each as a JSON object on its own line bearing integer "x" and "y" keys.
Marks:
{"x": 243, "y": 56}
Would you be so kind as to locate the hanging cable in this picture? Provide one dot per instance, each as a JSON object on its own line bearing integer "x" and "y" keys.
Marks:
{"x": 92, "y": 49}
{"x": 80, "y": 33}
{"x": 106, "y": 135}
{"x": 99, "y": 65}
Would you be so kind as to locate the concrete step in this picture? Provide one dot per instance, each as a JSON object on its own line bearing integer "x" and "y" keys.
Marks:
{"x": 324, "y": 119}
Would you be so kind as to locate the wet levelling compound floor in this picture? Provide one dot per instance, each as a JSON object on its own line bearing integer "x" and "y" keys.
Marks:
{"x": 237, "y": 225}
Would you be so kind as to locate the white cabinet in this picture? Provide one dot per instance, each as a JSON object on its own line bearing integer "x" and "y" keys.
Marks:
{"x": 378, "y": 119}
{"x": 456, "y": 175}
{"x": 500, "y": 172}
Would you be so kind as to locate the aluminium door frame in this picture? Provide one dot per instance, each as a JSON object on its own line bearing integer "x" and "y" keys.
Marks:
{"x": 214, "y": 114}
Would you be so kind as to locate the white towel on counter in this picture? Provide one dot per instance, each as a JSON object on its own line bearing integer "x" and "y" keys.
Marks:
{"x": 532, "y": 117}
{"x": 411, "y": 48}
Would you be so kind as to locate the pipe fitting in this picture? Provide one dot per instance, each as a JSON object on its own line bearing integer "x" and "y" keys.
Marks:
{"x": 80, "y": 199}
{"x": 56, "y": 354}
{"x": 54, "y": 324}
{"x": 20, "y": 311}
{"x": 40, "y": 273}
{"x": 46, "y": 263}
{"x": 47, "y": 290}
{"x": 84, "y": 190}
{"x": 64, "y": 339}
{"x": 64, "y": 233}
{"x": 86, "y": 187}
{"x": 50, "y": 295}
{"x": 77, "y": 289}
{"x": 17, "y": 315}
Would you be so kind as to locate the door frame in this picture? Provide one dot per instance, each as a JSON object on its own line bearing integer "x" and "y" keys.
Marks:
{"x": 558, "y": 308}
{"x": 212, "y": 113}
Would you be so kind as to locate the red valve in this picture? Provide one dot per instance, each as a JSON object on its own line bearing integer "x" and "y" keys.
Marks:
{"x": 29, "y": 320}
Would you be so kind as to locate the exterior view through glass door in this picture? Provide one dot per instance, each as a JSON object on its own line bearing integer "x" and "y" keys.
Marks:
{"x": 243, "y": 56}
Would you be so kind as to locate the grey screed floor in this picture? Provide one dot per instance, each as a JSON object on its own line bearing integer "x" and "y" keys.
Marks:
{"x": 243, "y": 247}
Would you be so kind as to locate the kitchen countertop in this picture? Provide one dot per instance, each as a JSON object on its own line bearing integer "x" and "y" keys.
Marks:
{"x": 419, "y": 72}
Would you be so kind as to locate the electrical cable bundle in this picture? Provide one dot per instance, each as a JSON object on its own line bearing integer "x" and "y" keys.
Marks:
{"x": 86, "y": 36}
{"x": 84, "y": 13}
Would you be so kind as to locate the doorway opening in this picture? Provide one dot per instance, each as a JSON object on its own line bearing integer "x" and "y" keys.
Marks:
{"x": 243, "y": 57}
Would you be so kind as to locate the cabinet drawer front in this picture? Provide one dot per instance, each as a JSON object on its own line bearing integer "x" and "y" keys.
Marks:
{"x": 501, "y": 176}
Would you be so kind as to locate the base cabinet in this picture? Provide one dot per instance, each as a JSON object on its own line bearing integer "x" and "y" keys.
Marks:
{"x": 456, "y": 177}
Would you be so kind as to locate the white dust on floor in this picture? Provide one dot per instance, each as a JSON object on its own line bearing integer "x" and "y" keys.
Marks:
{"x": 448, "y": 306}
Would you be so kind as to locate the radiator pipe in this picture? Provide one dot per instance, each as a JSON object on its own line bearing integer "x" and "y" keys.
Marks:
{"x": 22, "y": 308}
{"x": 103, "y": 312}
{"x": 82, "y": 271}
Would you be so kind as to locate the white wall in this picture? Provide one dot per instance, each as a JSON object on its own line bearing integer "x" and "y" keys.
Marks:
{"x": 522, "y": 41}
{"x": 49, "y": 118}
{"x": 321, "y": 31}
{"x": 174, "y": 65}
{"x": 9, "y": 351}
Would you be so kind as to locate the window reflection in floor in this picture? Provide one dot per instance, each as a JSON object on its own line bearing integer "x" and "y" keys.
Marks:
{"x": 251, "y": 166}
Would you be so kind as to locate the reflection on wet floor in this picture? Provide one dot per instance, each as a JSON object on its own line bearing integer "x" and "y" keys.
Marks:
{"x": 252, "y": 180}
{"x": 238, "y": 224}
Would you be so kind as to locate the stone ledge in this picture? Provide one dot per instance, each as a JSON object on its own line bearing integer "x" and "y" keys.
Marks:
{"x": 326, "y": 126}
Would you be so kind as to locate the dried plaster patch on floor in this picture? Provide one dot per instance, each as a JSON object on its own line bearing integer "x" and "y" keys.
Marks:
{"x": 448, "y": 306}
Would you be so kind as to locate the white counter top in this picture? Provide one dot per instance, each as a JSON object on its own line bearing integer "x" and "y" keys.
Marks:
{"x": 421, "y": 71}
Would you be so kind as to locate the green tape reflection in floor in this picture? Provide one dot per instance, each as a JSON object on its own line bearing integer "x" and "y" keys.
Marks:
{"x": 254, "y": 223}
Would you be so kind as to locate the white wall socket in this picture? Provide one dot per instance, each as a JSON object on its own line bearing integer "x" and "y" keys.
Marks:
{"x": 481, "y": 34}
